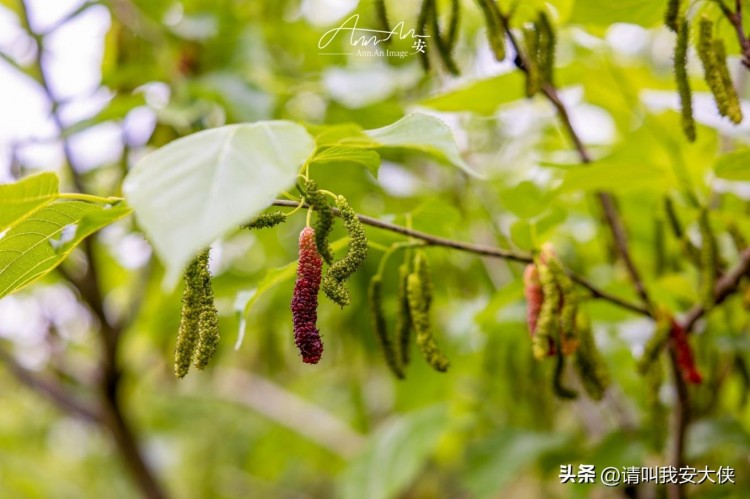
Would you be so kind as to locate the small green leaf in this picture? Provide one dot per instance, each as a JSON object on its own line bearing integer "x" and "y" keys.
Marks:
{"x": 20, "y": 199}
{"x": 734, "y": 165}
{"x": 39, "y": 243}
{"x": 198, "y": 188}
{"x": 423, "y": 133}
{"x": 626, "y": 169}
{"x": 482, "y": 96}
{"x": 338, "y": 155}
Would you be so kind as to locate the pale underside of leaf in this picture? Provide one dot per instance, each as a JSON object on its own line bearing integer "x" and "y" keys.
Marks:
{"x": 198, "y": 188}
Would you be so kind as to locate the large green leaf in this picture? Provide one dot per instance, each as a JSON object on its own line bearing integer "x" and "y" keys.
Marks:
{"x": 397, "y": 453}
{"x": 595, "y": 12}
{"x": 22, "y": 198}
{"x": 198, "y": 188}
{"x": 424, "y": 133}
{"x": 481, "y": 96}
{"x": 37, "y": 244}
{"x": 734, "y": 165}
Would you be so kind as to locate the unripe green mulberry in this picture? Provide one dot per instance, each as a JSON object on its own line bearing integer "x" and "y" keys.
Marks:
{"x": 208, "y": 322}
{"x": 533, "y": 75}
{"x": 546, "y": 48}
{"x": 403, "y": 317}
{"x": 420, "y": 316}
{"x": 266, "y": 220}
{"x": 548, "y": 324}
{"x": 557, "y": 382}
{"x": 188, "y": 334}
{"x": 655, "y": 345}
{"x": 569, "y": 308}
{"x": 495, "y": 28}
{"x": 713, "y": 58}
{"x": 340, "y": 271}
{"x": 734, "y": 111}
{"x": 199, "y": 326}
{"x": 375, "y": 295}
{"x": 683, "y": 83}
{"x": 324, "y": 225}
{"x": 532, "y": 290}
{"x": 708, "y": 256}
{"x": 588, "y": 361}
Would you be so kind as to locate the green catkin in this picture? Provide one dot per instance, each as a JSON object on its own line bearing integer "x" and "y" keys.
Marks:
{"x": 708, "y": 256}
{"x": 382, "y": 13}
{"x": 546, "y": 48}
{"x": 443, "y": 44}
{"x": 654, "y": 378}
{"x": 188, "y": 334}
{"x": 588, "y": 361}
{"x": 424, "y": 17}
{"x": 495, "y": 28}
{"x": 208, "y": 323}
{"x": 734, "y": 111}
{"x": 375, "y": 296}
{"x": 655, "y": 345}
{"x": 568, "y": 335}
{"x": 420, "y": 317}
{"x": 548, "y": 323}
{"x": 340, "y": 271}
{"x": 682, "y": 81}
{"x": 403, "y": 317}
{"x": 533, "y": 76}
{"x": 557, "y": 381}
{"x": 324, "y": 224}
{"x": 452, "y": 36}
{"x": 672, "y": 15}
{"x": 711, "y": 71}
{"x": 266, "y": 220}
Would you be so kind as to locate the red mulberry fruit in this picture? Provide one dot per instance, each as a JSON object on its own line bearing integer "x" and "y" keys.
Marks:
{"x": 305, "y": 299}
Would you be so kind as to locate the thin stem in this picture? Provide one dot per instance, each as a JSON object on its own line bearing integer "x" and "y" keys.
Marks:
{"x": 735, "y": 19}
{"x": 681, "y": 418}
{"x": 90, "y": 197}
{"x": 488, "y": 251}
{"x": 606, "y": 200}
{"x": 55, "y": 392}
{"x": 725, "y": 287}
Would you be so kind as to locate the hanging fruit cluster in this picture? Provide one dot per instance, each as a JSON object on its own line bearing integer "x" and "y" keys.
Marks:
{"x": 558, "y": 329}
{"x": 713, "y": 57}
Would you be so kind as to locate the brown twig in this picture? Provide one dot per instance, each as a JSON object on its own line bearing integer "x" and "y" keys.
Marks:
{"x": 725, "y": 287}
{"x": 489, "y": 251}
{"x": 606, "y": 200}
{"x": 110, "y": 332}
{"x": 55, "y": 392}
{"x": 735, "y": 19}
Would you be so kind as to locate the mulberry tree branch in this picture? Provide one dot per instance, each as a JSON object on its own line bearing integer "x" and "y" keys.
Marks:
{"x": 735, "y": 19}
{"x": 488, "y": 251}
{"x": 55, "y": 392}
{"x": 606, "y": 200}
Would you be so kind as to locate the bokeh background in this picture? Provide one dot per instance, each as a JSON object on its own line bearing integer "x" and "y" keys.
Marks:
{"x": 89, "y": 87}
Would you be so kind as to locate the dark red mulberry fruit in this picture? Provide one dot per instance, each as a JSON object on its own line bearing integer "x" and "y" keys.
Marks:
{"x": 684, "y": 354}
{"x": 305, "y": 299}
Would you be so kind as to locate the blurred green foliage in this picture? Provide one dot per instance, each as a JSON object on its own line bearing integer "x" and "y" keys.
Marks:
{"x": 490, "y": 426}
